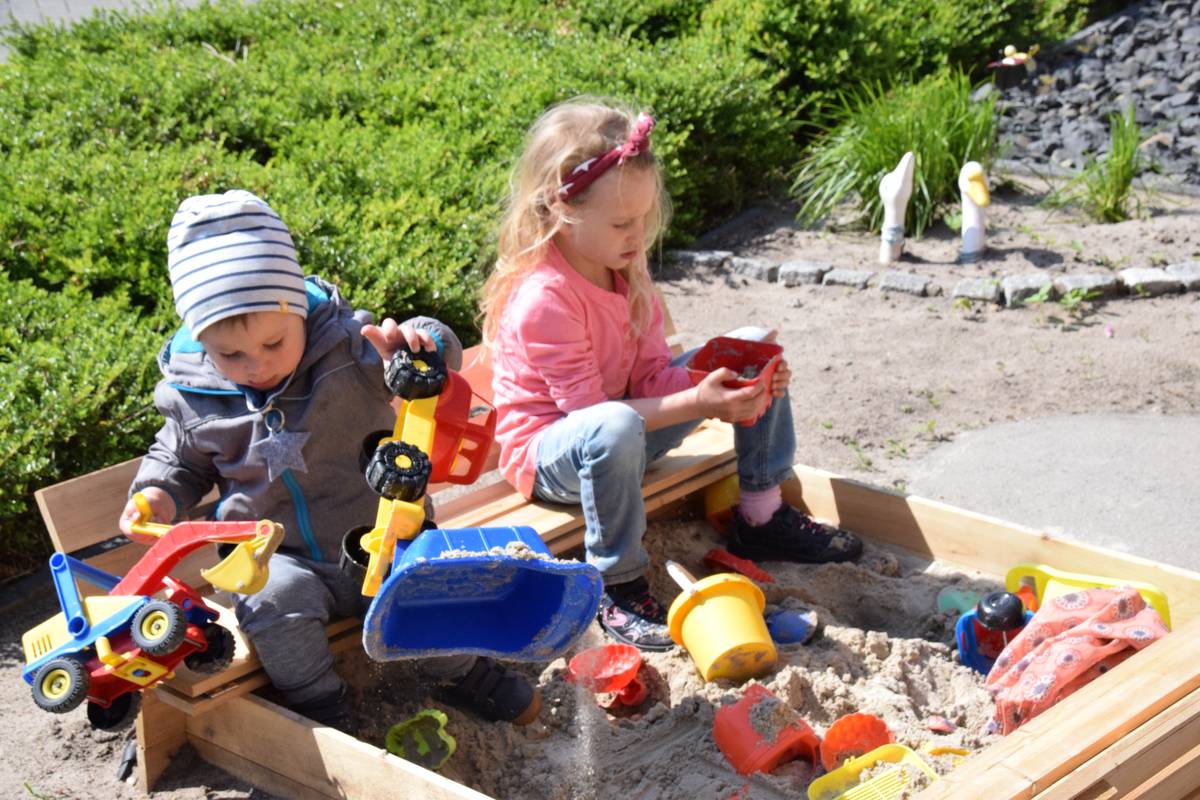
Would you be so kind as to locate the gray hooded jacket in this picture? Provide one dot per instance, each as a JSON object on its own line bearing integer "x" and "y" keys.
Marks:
{"x": 336, "y": 396}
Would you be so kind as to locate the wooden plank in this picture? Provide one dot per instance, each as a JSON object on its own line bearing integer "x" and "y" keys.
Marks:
{"x": 347, "y": 638}
{"x": 258, "y": 775}
{"x": 1178, "y": 781}
{"x": 1075, "y": 730}
{"x": 1136, "y": 757}
{"x": 939, "y": 531}
{"x": 161, "y": 731}
{"x": 83, "y": 511}
{"x": 191, "y": 684}
{"x": 322, "y": 760}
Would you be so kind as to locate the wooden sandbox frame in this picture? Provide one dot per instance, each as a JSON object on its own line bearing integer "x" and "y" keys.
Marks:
{"x": 1133, "y": 733}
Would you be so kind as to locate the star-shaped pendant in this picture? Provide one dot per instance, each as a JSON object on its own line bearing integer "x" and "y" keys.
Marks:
{"x": 281, "y": 451}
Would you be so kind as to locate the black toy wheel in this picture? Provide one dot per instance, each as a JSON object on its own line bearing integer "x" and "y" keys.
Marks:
{"x": 399, "y": 471}
{"x": 159, "y": 627}
{"x": 60, "y": 685}
{"x": 354, "y": 559}
{"x": 217, "y": 655}
{"x": 370, "y": 444}
{"x": 412, "y": 376}
{"x": 120, "y": 712}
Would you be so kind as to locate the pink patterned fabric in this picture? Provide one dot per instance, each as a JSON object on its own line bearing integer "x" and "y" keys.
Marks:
{"x": 1072, "y": 640}
{"x": 586, "y": 173}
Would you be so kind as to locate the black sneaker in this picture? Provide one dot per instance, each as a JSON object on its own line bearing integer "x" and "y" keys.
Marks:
{"x": 631, "y": 615}
{"x": 494, "y": 692}
{"x": 791, "y": 536}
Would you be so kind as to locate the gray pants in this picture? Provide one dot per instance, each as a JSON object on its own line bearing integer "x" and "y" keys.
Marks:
{"x": 286, "y": 622}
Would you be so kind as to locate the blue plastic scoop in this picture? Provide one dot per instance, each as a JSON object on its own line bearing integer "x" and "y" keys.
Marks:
{"x": 489, "y": 591}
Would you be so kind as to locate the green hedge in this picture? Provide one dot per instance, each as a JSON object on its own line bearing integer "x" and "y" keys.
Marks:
{"x": 382, "y": 135}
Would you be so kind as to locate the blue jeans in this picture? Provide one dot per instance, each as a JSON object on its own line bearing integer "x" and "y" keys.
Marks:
{"x": 597, "y": 457}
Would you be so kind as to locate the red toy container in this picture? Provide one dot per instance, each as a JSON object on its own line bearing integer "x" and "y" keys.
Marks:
{"x": 610, "y": 668}
{"x": 464, "y": 433}
{"x": 754, "y": 362}
{"x": 747, "y": 749}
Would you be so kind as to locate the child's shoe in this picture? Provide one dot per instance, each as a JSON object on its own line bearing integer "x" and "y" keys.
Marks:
{"x": 494, "y": 692}
{"x": 631, "y": 615}
{"x": 791, "y": 536}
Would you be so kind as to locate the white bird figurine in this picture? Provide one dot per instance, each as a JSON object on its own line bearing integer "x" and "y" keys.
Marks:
{"x": 975, "y": 198}
{"x": 894, "y": 190}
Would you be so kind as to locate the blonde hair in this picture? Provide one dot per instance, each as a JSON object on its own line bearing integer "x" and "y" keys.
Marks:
{"x": 564, "y": 137}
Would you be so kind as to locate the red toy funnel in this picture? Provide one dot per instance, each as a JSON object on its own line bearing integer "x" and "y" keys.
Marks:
{"x": 610, "y": 668}
{"x": 748, "y": 747}
{"x": 754, "y": 362}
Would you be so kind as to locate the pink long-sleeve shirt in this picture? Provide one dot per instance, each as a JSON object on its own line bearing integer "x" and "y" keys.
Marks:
{"x": 563, "y": 344}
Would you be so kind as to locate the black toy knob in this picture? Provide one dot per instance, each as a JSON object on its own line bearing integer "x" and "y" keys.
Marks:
{"x": 1000, "y": 611}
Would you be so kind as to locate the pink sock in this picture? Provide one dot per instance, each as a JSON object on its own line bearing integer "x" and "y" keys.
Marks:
{"x": 759, "y": 507}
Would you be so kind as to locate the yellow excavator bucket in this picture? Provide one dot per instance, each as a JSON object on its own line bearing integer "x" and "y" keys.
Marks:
{"x": 245, "y": 569}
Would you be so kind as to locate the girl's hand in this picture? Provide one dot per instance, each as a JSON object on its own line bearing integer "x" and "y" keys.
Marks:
{"x": 728, "y": 405}
{"x": 388, "y": 337}
{"x": 781, "y": 379}
{"x": 162, "y": 509}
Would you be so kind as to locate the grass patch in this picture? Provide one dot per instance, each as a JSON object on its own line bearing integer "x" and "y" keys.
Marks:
{"x": 872, "y": 128}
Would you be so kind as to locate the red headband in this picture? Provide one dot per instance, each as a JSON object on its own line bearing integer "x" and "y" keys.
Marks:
{"x": 586, "y": 173}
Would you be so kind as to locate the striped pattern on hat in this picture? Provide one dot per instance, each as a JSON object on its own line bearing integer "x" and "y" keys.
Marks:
{"x": 231, "y": 254}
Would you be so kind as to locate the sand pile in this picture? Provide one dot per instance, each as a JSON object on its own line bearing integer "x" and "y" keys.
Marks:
{"x": 883, "y": 650}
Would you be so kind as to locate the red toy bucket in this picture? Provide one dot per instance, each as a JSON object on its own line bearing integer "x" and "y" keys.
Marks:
{"x": 754, "y": 362}
{"x": 464, "y": 433}
{"x": 752, "y": 750}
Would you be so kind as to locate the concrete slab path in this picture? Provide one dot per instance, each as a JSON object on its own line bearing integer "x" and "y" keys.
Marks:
{"x": 1125, "y": 482}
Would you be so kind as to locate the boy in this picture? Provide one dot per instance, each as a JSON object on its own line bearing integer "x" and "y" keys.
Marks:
{"x": 269, "y": 390}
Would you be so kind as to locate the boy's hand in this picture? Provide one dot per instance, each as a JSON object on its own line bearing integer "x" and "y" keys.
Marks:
{"x": 388, "y": 336}
{"x": 728, "y": 405}
{"x": 162, "y": 509}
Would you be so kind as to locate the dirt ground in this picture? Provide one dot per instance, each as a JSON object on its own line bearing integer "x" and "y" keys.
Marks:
{"x": 878, "y": 381}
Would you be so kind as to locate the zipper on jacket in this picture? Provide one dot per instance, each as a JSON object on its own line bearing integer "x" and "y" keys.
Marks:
{"x": 293, "y": 487}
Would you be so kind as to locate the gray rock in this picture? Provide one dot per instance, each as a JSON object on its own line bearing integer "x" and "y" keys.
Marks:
{"x": 904, "y": 282}
{"x": 712, "y": 259}
{"x": 759, "y": 268}
{"x": 1150, "y": 281}
{"x": 794, "y": 273}
{"x": 1097, "y": 284}
{"x": 847, "y": 277}
{"x": 1019, "y": 288}
{"x": 986, "y": 289}
{"x": 1188, "y": 274}
{"x": 1181, "y": 99}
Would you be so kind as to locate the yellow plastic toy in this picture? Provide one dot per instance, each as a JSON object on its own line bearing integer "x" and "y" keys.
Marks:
{"x": 422, "y": 739}
{"x": 719, "y": 621}
{"x": 1049, "y": 583}
{"x": 843, "y": 783}
{"x": 244, "y": 570}
{"x": 399, "y": 519}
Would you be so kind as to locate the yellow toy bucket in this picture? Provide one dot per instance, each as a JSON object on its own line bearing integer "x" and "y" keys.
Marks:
{"x": 719, "y": 621}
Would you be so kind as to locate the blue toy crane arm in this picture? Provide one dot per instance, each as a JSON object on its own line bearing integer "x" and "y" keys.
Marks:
{"x": 64, "y": 570}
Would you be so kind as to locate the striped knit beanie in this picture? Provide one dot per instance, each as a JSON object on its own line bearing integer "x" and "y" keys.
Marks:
{"x": 230, "y": 254}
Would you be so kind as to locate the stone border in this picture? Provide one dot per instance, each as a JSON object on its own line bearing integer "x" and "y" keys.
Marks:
{"x": 1008, "y": 290}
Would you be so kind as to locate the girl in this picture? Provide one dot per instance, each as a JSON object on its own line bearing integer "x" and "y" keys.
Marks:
{"x": 584, "y": 383}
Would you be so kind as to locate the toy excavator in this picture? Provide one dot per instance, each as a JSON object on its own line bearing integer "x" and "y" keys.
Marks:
{"x": 493, "y": 591}
{"x": 106, "y": 648}
{"x": 435, "y": 438}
